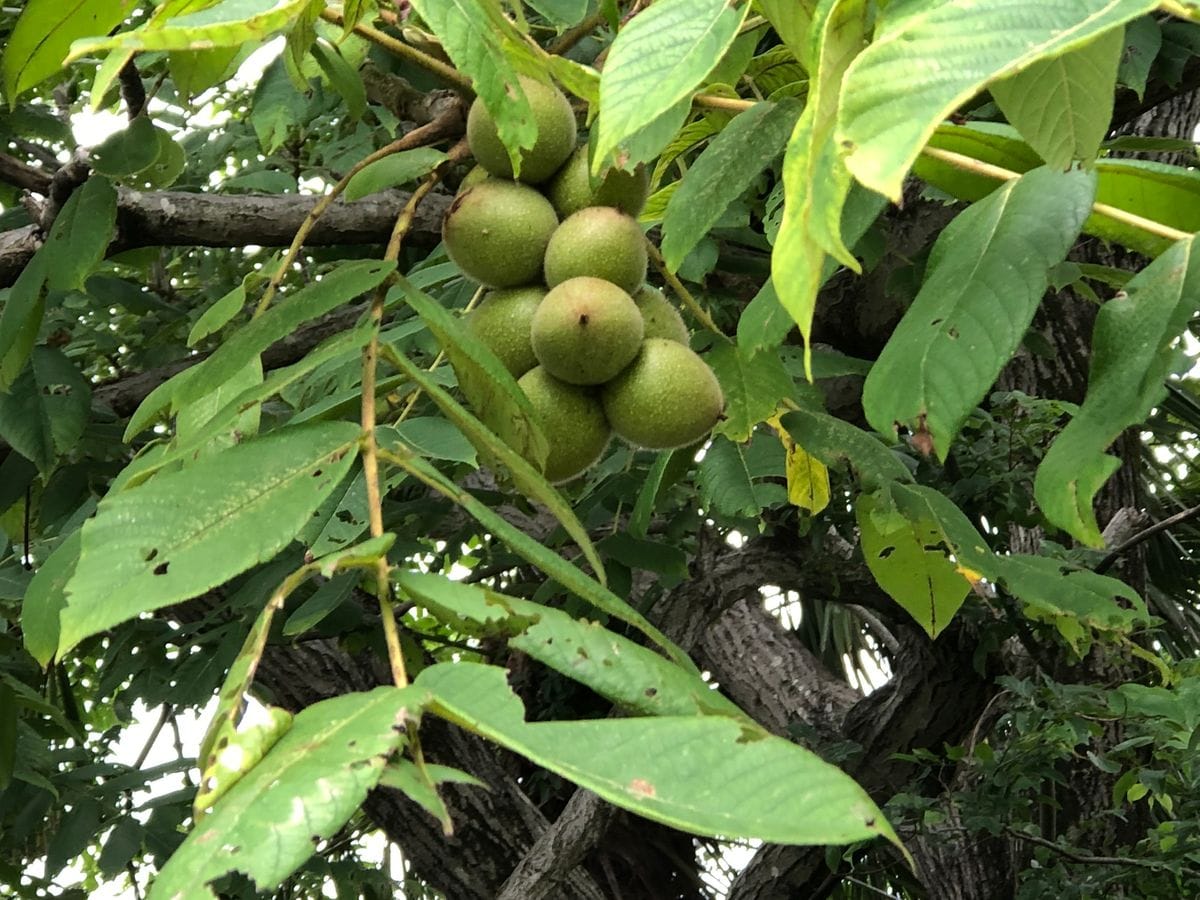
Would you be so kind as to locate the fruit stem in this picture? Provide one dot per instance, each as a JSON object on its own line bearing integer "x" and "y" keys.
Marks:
{"x": 978, "y": 167}
{"x": 681, "y": 292}
{"x": 441, "y": 127}
{"x": 573, "y": 36}
{"x": 731, "y": 104}
{"x": 437, "y": 361}
{"x": 447, "y": 73}
{"x": 370, "y": 448}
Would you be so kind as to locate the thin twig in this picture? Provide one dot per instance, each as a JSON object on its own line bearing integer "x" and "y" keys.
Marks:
{"x": 573, "y": 36}
{"x": 419, "y": 137}
{"x": 447, "y": 73}
{"x": 681, "y": 292}
{"x": 165, "y": 717}
{"x": 1144, "y": 535}
{"x": 1082, "y": 857}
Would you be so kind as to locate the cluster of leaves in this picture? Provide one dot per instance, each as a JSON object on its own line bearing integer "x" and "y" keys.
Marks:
{"x": 254, "y": 497}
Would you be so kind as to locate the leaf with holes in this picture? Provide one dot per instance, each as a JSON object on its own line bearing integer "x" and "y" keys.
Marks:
{"x": 1131, "y": 357}
{"x": 672, "y": 769}
{"x": 621, "y": 671}
{"x": 303, "y": 791}
{"x": 985, "y": 277}
{"x": 47, "y": 409}
{"x": 189, "y": 530}
{"x": 910, "y": 560}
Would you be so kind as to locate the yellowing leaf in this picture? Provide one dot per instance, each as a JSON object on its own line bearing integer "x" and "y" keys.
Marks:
{"x": 807, "y": 476}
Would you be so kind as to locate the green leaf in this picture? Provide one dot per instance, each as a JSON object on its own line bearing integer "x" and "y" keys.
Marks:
{"x": 397, "y": 169}
{"x": 1063, "y": 105}
{"x": 985, "y": 278}
{"x": 722, "y": 173}
{"x": 725, "y": 482}
{"x": 657, "y": 60}
{"x": 754, "y": 384}
{"x": 345, "y": 516}
{"x": 791, "y": 20}
{"x": 20, "y": 319}
{"x": 43, "y": 34}
{"x": 343, "y": 76}
{"x": 189, "y": 530}
{"x": 955, "y": 533}
{"x": 832, "y": 440}
{"x": 340, "y": 286}
{"x": 1166, "y": 194}
{"x": 562, "y": 13}
{"x": 571, "y": 577}
{"x": 227, "y": 23}
{"x": 1143, "y": 40}
{"x": 45, "y": 413}
{"x": 672, "y": 769}
{"x": 475, "y": 35}
{"x": 9, "y": 715}
{"x": 195, "y": 71}
{"x": 815, "y": 178}
{"x": 419, "y": 784}
{"x": 910, "y": 561}
{"x": 323, "y": 601}
{"x": 278, "y": 108}
{"x": 1073, "y": 599}
{"x": 434, "y": 438}
{"x": 304, "y": 790}
{"x": 488, "y": 385}
{"x": 80, "y": 235}
{"x": 987, "y": 142}
{"x": 618, "y": 669}
{"x": 218, "y": 315}
{"x": 643, "y": 508}
{"x": 128, "y": 151}
{"x": 928, "y": 60}
{"x": 529, "y": 480}
{"x": 45, "y": 599}
{"x": 1130, "y": 359}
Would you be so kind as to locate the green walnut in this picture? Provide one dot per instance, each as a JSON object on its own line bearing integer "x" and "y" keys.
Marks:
{"x": 503, "y": 320}
{"x": 600, "y": 242}
{"x": 572, "y": 420}
{"x": 555, "y": 135}
{"x": 660, "y": 315}
{"x": 667, "y": 398}
{"x": 571, "y": 188}
{"x": 497, "y": 232}
{"x": 586, "y": 331}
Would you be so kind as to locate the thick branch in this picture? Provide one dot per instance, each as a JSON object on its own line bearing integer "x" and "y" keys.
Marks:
{"x": 179, "y": 219}
{"x": 22, "y": 175}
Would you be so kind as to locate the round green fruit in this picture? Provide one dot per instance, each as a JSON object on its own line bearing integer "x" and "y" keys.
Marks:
{"x": 601, "y": 242}
{"x": 571, "y": 188}
{"x": 503, "y": 320}
{"x": 572, "y": 420}
{"x": 586, "y": 331}
{"x": 497, "y": 232}
{"x": 555, "y": 134}
{"x": 661, "y": 317}
{"x": 668, "y": 398}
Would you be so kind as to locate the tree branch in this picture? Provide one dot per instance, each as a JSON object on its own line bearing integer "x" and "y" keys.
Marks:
{"x": 22, "y": 175}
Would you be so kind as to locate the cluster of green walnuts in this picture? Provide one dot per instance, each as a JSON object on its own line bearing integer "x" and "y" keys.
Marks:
{"x": 595, "y": 349}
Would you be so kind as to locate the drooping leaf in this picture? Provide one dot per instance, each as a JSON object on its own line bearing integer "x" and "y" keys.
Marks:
{"x": 127, "y": 152}
{"x": 671, "y": 769}
{"x": 304, "y": 790}
{"x": 80, "y": 235}
{"x": 435, "y": 438}
{"x": 815, "y": 178}
{"x": 986, "y": 275}
{"x": 642, "y": 681}
{"x": 420, "y": 782}
{"x": 397, "y": 169}
{"x": 45, "y": 599}
{"x": 722, "y": 173}
{"x": 807, "y": 476}
{"x": 475, "y": 35}
{"x": 47, "y": 409}
{"x": 910, "y": 561}
{"x": 571, "y": 577}
{"x": 343, "y": 76}
{"x": 218, "y": 315}
{"x": 277, "y": 109}
{"x": 726, "y": 485}
{"x": 1063, "y": 105}
{"x": 754, "y": 384}
{"x": 927, "y": 60}
{"x": 791, "y": 20}
{"x": 656, "y": 61}
{"x": 833, "y": 440}
{"x": 1075, "y": 600}
{"x": 186, "y": 531}
{"x": 1130, "y": 359}
{"x": 43, "y": 34}
{"x": 488, "y": 385}
{"x": 1143, "y": 40}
